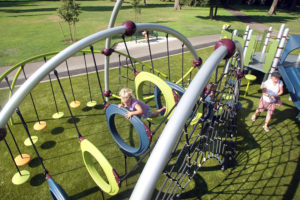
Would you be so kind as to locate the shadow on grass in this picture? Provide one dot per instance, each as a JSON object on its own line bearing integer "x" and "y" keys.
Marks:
{"x": 70, "y": 121}
{"x": 35, "y": 162}
{"x": 251, "y": 19}
{"x": 57, "y": 130}
{"x": 48, "y": 144}
{"x": 37, "y": 180}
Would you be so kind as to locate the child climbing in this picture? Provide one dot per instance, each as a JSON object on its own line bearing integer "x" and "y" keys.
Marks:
{"x": 135, "y": 106}
{"x": 272, "y": 89}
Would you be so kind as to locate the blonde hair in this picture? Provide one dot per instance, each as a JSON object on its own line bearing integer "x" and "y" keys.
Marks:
{"x": 126, "y": 93}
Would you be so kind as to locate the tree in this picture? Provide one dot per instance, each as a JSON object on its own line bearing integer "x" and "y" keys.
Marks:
{"x": 137, "y": 8}
{"x": 273, "y": 8}
{"x": 69, "y": 12}
{"x": 177, "y": 5}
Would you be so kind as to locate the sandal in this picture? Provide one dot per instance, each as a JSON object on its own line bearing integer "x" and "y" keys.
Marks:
{"x": 266, "y": 128}
{"x": 253, "y": 118}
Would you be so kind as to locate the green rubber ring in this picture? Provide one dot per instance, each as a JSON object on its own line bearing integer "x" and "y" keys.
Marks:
{"x": 89, "y": 151}
{"x": 161, "y": 84}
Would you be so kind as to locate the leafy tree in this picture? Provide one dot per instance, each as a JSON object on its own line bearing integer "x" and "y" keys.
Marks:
{"x": 69, "y": 12}
{"x": 137, "y": 8}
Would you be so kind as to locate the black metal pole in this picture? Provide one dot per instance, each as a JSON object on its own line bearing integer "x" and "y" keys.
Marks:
{"x": 87, "y": 76}
{"x": 62, "y": 90}
{"x": 70, "y": 80}
{"x": 34, "y": 107}
{"x": 29, "y": 136}
{"x": 12, "y": 157}
{"x": 96, "y": 68}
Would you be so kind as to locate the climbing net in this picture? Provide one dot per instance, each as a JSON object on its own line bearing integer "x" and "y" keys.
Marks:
{"x": 212, "y": 136}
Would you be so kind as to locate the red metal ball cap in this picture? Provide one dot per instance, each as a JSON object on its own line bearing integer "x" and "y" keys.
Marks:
{"x": 107, "y": 52}
{"x": 107, "y": 93}
{"x": 106, "y": 105}
{"x": 3, "y": 133}
{"x": 136, "y": 73}
{"x": 130, "y": 28}
{"x": 197, "y": 63}
{"x": 229, "y": 44}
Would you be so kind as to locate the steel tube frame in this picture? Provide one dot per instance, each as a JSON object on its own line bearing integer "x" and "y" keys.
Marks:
{"x": 43, "y": 71}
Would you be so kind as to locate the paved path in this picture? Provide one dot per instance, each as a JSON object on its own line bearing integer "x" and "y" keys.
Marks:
{"x": 138, "y": 50}
{"x": 248, "y": 20}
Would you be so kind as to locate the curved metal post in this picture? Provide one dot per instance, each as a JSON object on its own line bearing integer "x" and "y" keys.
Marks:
{"x": 111, "y": 24}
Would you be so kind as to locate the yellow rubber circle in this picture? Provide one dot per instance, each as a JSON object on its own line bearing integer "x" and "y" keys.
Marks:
{"x": 89, "y": 151}
{"x": 161, "y": 84}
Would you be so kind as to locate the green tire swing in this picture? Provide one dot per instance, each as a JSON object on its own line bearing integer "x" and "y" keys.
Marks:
{"x": 90, "y": 151}
{"x": 165, "y": 89}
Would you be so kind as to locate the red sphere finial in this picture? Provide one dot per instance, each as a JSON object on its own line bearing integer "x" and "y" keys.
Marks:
{"x": 107, "y": 52}
{"x": 197, "y": 63}
{"x": 107, "y": 93}
{"x": 130, "y": 28}
{"x": 229, "y": 44}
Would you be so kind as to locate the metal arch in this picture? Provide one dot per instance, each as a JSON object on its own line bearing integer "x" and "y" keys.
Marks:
{"x": 32, "y": 81}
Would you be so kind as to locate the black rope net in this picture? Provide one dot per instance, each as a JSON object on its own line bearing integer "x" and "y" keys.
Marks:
{"x": 212, "y": 136}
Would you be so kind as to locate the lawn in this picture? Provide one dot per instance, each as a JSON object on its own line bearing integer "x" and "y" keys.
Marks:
{"x": 29, "y": 28}
{"x": 267, "y": 164}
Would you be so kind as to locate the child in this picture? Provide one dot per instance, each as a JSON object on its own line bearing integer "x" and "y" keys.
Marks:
{"x": 135, "y": 106}
{"x": 272, "y": 89}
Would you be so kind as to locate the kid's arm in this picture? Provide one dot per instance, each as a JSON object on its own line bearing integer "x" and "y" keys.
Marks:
{"x": 138, "y": 111}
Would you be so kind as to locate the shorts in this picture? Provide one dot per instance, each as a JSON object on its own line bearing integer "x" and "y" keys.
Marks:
{"x": 266, "y": 105}
{"x": 148, "y": 113}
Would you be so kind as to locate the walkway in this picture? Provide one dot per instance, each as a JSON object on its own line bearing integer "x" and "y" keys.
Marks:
{"x": 137, "y": 49}
{"x": 248, "y": 20}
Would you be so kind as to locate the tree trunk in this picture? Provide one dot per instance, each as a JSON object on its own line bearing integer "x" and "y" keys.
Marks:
{"x": 62, "y": 31}
{"x": 74, "y": 29}
{"x": 211, "y": 12}
{"x": 215, "y": 15}
{"x": 273, "y": 8}
{"x": 177, "y": 5}
{"x": 293, "y": 5}
{"x": 70, "y": 32}
{"x": 145, "y": 3}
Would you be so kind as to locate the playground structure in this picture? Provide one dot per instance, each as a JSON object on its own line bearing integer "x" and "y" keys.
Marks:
{"x": 211, "y": 136}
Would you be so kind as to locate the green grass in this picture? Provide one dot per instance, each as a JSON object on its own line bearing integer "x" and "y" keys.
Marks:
{"x": 267, "y": 163}
{"x": 31, "y": 27}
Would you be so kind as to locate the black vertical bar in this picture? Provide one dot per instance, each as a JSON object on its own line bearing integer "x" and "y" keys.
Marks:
{"x": 8, "y": 127}
{"x": 125, "y": 163}
{"x": 34, "y": 107}
{"x": 168, "y": 52}
{"x": 29, "y": 136}
{"x": 50, "y": 81}
{"x": 62, "y": 90}
{"x": 70, "y": 81}
{"x": 150, "y": 54}
{"x": 182, "y": 48}
{"x": 99, "y": 82}
{"x": 12, "y": 157}
{"x": 133, "y": 67}
{"x": 87, "y": 76}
